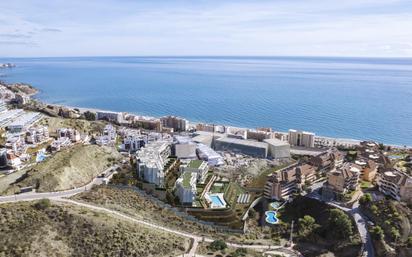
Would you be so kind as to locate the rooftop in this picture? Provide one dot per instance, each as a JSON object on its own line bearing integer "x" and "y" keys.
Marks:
{"x": 276, "y": 142}
{"x": 243, "y": 142}
{"x": 195, "y": 164}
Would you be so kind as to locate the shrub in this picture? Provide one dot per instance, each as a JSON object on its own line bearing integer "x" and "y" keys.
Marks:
{"x": 377, "y": 232}
{"x": 365, "y": 199}
{"x": 218, "y": 245}
{"x": 409, "y": 241}
{"x": 42, "y": 204}
{"x": 240, "y": 252}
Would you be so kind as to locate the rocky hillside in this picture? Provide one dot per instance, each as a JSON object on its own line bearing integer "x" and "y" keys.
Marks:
{"x": 70, "y": 168}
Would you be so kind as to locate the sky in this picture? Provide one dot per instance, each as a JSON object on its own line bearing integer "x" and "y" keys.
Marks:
{"x": 364, "y": 28}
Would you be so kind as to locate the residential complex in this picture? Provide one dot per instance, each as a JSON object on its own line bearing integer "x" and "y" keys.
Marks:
{"x": 282, "y": 184}
{"x": 341, "y": 180}
{"x": 198, "y": 167}
{"x": 396, "y": 184}
{"x": 152, "y": 160}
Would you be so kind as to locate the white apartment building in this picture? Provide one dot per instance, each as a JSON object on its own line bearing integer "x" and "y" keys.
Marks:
{"x": 72, "y": 134}
{"x": 301, "y": 138}
{"x": 186, "y": 187}
{"x": 37, "y": 135}
{"x": 199, "y": 167}
{"x": 151, "y": 161}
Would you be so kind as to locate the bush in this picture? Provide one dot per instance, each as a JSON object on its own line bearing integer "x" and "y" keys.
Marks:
{"x": 409, "y": 241}
{"x": 218, "y": 245}
{"x": 240, "y": 252}
{"x": 377, "y": 232}
{"x": 365, "y": 199}
{"x": 42, "y": 204}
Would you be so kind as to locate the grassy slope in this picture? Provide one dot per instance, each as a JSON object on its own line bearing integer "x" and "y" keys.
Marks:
{"x": 61, "y": 230}
{"x": 72, "y": 167}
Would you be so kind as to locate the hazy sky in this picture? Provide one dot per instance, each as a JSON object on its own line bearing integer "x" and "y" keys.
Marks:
{"x": 208, "y": 27}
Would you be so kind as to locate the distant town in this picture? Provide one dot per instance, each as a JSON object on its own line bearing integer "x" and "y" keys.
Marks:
{"x": 265, "y": 186}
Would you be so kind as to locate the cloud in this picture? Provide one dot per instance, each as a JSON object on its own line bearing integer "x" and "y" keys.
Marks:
{"x": 209, "y": 27}
{"x": 21, "y": 43}
{"x": 51, "y": 30}
{"x": 15, "y": 35}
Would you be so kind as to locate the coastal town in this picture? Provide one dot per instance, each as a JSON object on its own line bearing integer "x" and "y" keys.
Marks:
{"x": 263, "y": 186}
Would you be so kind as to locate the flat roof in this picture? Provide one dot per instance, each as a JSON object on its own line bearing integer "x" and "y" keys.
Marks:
{"x": 195, "y": 164}
{"x": 276, "y": 142}
{"x": 187, "y": 176}
{"x": 243, "y": 142}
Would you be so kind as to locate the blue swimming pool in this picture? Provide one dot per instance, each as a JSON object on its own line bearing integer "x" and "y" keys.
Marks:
{"x": 216, "y": 201}
{"x": 271, "y": 217}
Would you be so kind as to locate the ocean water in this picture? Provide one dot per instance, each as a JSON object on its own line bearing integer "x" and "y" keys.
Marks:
{"x": 339, "y": 97}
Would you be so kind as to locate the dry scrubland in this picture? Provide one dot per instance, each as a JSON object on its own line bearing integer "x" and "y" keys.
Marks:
{"x": 70, "y": 168}
{"x": 44, "y": 229}
{"x": 130, "y": 202}
{"x": 83, "y": 126}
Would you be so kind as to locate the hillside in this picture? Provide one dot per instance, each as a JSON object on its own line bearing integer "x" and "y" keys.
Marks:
{"x": 72, "y": 167}
{"x": 83, "y": 126}
{"x": 44, "y": 229}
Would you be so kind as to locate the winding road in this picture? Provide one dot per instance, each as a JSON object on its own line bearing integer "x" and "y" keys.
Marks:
{"x": 360, "y": 221}
{"x": 61, "y": 196}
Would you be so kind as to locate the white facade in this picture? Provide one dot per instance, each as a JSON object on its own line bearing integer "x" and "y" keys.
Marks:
{"x": 208, "y": 154}
{"x": 200, "y": 168}
{"x": 151, "y": 162}
{"x": 186, "y": 187}
{"x": 278, "y": 149}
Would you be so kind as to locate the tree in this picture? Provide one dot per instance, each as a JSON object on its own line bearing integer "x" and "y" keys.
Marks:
{"x": 89, "y": 115}
{"x": 307, "y": 225}
{"x": 365, "y": 199}
{"x": 218, "y": 245}
{"x": 377, "y": 232}
{"x": 339, "y": 224}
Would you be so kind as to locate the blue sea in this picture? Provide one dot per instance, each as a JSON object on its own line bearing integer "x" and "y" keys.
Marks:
{"x": 360, "y": 98}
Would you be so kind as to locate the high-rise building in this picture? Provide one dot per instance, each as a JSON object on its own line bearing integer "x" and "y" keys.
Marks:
{"x": 176, "y": 123}
{"x": 301, "y": 138}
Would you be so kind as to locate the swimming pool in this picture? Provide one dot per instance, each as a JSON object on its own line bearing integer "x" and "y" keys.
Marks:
{"x": 271, "y": 217}
{"x": 216, "y": 200}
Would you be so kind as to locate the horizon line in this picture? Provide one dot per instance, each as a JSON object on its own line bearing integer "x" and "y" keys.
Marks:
{"x": 214, "y": 56}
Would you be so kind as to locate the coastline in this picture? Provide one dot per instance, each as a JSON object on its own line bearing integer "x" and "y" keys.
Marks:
{"x": 338, "y": 139}
{"x": 348, "y": 141}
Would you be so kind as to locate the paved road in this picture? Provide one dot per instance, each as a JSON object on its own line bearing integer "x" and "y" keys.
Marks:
{"x": 58, "y": 194}
{"x": 360, "y": 221}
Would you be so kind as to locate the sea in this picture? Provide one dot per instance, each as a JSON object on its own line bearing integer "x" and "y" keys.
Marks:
{"x": 359, "y": 98}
